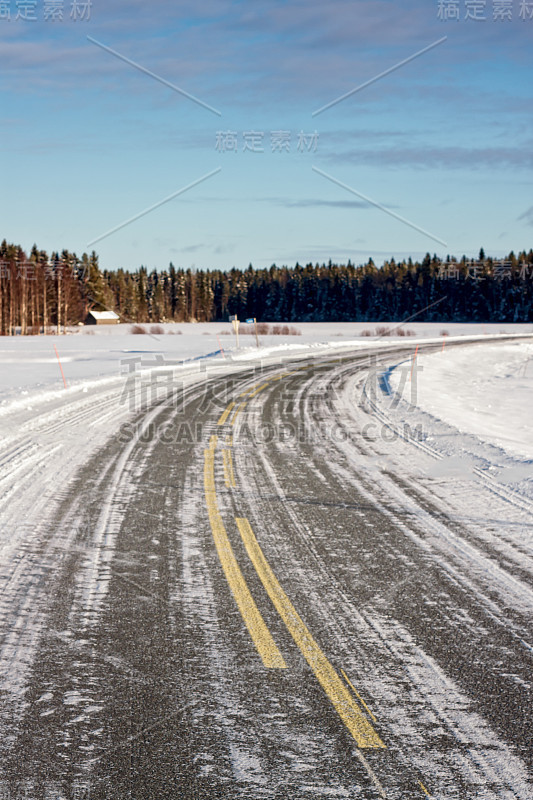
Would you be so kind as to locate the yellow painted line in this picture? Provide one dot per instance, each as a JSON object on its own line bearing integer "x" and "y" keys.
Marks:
{"x": 354, "y": 690}
{"x": 213, "y": 441}
{"x": 247, "y": 391}
{"x": 253, "y": 390}
{"x": 263, "y": 386}
{"x": 251, "y": 615}
{"x": 225, "y": 414}
{"x": 229, "y": 476}
{"x": 345, "y": 705}
{"x": 238, "y": 411}
{"x": 424, "y": 789}
{"x": 229, "y": 440}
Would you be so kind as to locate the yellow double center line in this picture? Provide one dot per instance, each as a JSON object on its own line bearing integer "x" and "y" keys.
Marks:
{"x": 251, "y": 392}
{"x": 339, "y": 695}
{"x": 251, "y": 615}
{"x": 344, "y": 703}
{"x": 225, "y": 414}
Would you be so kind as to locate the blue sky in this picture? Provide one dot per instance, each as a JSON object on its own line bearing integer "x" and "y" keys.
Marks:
{"x": 445, "y": 141}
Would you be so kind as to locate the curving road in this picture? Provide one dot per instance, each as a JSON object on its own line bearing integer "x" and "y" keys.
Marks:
{"x": 257, "y": 589}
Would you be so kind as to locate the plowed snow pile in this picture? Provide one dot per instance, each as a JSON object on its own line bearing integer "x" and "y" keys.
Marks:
{"x": 482, "y": 389}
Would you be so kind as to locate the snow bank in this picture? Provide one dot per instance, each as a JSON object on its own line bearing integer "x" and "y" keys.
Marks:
{"x": 482, "y": 389}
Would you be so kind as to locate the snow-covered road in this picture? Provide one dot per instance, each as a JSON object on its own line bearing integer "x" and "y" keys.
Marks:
{"x": 277, "y": 580}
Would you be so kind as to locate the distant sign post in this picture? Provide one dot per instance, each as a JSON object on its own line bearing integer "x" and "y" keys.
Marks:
{"x": 253, "y": 321}
{"x": 235, "y": 322}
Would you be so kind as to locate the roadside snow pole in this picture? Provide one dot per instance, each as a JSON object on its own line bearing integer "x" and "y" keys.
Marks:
{"x": 443, "y": 343}
{"x": 414, "y": 359}
{"x": 60, "y": 367}
{"x": 221, "y": 348}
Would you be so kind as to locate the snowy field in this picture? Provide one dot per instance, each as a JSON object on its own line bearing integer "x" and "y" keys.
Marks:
{"x": 484, "y": 389}
{"x": 29, "y": 366}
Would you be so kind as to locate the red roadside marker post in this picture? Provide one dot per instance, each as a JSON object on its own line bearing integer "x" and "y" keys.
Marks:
{"x": 60, "y": 367}
{"x": 221, "y": 348}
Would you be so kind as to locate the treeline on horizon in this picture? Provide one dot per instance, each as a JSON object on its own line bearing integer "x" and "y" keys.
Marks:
{"x": 40, "y": 292}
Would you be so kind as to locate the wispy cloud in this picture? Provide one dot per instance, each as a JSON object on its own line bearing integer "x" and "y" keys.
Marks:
{"x": 153, "y": 75}
{"x": 381, "y": 207}
{"x": 192, "y": 248}
{"x": 311, "y": 202}
{"x": 380, "y": 76}
{"x": 232, "y": 50}
{"x": 427, "y": 157}
{"x": 224, "y": 249}
{"x": 527, "y": 216}
{"x": 327, "y": 203}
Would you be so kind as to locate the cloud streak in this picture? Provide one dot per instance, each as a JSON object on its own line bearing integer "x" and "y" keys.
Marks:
{"x": 427, "y": 157}
{"x": 385, "y": 210}
{"x": 527, "y": 216}
{"x": 379, "y": 77}
{"x": 154, "y": 76}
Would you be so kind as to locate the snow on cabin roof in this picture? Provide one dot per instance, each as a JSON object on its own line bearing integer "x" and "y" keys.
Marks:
{"x": 103, "y": 314}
